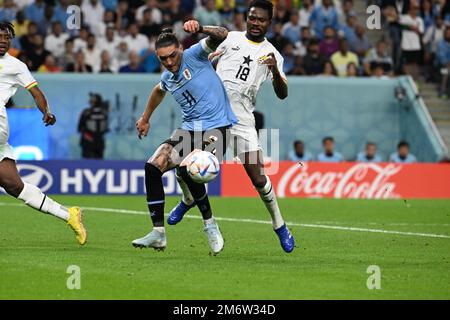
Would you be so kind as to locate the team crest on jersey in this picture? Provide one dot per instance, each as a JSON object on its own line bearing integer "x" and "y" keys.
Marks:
{"x": 187, "y": 74}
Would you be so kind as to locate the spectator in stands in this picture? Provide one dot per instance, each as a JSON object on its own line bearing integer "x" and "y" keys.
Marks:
{"x": 20, "y": 24}
{"x": 291, "y": 62}
{"x": 110, "y": 4}
{"x": 135, "y": 40}
{"x": 412, "y": 30}
{"x": 125, "y": 15}
{"x": 93, "y": 13}
{"x": 347, "y": 30}
{"x": 45, "y": 26}
{"x": 134, "y": 66}
{"x": 8, "y": 11}
{"x": 121, "y": 54}
{"x": 427, "y": 14}
{"x": 80, "y": 43}
{"x": 292, "y": 29}
{"x": 79, "y": 66}
{"x": 347, "y": 10}
{"x": 431, "y": 39}
{"x": 61, "y": 13}
{"x": 342, "y": 58}
{"x": 277, "y": 39}
{"x": 26, "y": 41}
{"x": 329, "y": 43}
{"x": 443, "y": 61}
{"x": 156, "y": 13}
{"x": 328, "y": 70}
{"x": 313, "y": 61}
{"x": 301, "y": 48}
{"x": 395, "y": 33}
{"x": 207, "y": 15}
{"x": 38, "y": 53}
{"x": 360, "y": 43}
{"x": 49, "y": 65}
{"x": 280, "y": 13}
{"x": 239, "y": 23}
{"x": 298, "y": 154}
{"x": 226, "y": 10}
{"x": 68, "y": 57}
{"x": 329, "y": 154}
{"x": 55, "y": 42}
{"x": 150, "y": 61}
{"x": 369, "y": 154}
{"x": 378, "y": 56}
{"x": 92, "y": 53}
{"x": 35, "y": 11}
{"x": 324, "y": 15}
{"x": 352, "y": 70}
{"x": 147, "y": 26}
{"x": 109, "y": 42}
{"x": 305, "y": 12}
{"x": 402, "y": 155}
{"x": 107, "y": 63}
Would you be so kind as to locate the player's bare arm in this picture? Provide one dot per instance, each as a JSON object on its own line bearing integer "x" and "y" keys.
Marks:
{"x": 279, "y": 83}
{"x": 41, "y": 102}
{"x": 155, "y": 99}
{"x": 216, "y": 35}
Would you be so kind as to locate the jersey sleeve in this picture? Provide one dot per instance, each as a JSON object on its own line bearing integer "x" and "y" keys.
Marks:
{"x": 163, "y": 83}
{"x": 24, "y": 77}
{"x": 199, "y": 52}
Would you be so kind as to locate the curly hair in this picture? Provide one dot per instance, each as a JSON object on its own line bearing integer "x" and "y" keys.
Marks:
{"x": 8, "y": 27}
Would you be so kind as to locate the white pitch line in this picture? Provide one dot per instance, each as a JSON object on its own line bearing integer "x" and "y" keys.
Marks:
{"x": 305, "y": 225}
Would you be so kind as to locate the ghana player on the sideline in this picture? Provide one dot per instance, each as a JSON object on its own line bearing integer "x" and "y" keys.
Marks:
{"x": 245, "y": 60}
{"x": 206, "y": 111}
{"x": 14, "y": 73}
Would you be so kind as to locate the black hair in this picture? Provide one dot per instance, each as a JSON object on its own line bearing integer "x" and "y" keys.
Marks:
{"x": 371, "y": 143}
{"x": 327, "y": 139}
{"x": 166, "y": 38}
{"x": 263, "y": 4}
{"x": 8, "y": 27}
{"x": 296, "y": 142}
{"x": 402, "y": 143}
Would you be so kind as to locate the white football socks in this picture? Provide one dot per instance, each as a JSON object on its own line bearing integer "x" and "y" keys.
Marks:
{"x": 187, "y": 196}
{"x": 33, "y": 197}
{"x": 160, "y": 229}
{"x": 267, "y": 194}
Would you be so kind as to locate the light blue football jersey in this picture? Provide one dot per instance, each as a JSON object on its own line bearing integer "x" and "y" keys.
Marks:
{"x": 199, "y": 91}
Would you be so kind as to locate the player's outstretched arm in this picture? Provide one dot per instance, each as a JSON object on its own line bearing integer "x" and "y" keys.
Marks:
{"x": 41, "y": 102}
{"x": 143, "y": 125}
{"x": 215, "y": 34}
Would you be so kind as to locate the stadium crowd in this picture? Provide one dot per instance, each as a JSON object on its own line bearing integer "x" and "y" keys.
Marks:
{"x": 315, "y": 37}
{"x": 370, "y": 154}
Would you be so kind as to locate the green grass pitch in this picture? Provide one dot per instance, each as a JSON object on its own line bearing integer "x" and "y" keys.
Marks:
{"x": 330, "y": 263}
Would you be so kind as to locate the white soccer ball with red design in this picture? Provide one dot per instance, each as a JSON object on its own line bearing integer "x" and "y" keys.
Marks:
{"x": 203, "y": 167}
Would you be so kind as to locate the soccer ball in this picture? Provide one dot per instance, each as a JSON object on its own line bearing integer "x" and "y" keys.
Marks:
{"x": 203, "y": 167}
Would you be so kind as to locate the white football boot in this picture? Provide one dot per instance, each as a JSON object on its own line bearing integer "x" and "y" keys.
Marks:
{"x": 155, "y": 239}
{"x": 215, "y": 239}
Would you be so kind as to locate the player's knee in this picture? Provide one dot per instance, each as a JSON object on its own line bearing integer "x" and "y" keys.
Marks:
{"x": 182, "y": 172}
{"x": 152, "y": 170}
{"x": 258, "y": 181}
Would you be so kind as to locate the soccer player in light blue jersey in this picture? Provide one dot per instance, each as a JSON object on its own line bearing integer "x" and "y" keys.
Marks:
{"x": 206, "y": 112}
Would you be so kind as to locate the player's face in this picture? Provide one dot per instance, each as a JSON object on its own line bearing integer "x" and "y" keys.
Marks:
{"x": 257, "y": 23}
{"x": 5, "y": 42}
{"x": 170, "y": 57}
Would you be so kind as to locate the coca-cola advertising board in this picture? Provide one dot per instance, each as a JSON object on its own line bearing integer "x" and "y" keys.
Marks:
{"x": 345, "y": 180}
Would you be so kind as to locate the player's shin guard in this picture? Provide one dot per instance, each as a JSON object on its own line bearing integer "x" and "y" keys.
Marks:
{"x": 33, "y": 197}
{"x": 155, "y": 194}
{"x": 187, "y": 196}
{"x": 267, "y": 194}
{"x": 199, "y": 194}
